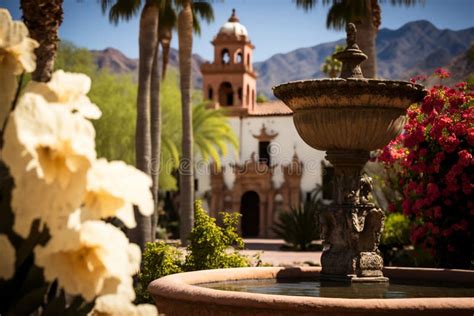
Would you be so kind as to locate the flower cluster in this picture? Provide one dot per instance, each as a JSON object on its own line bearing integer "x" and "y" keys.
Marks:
{"x": 434, "y": 166}
{"x": 16, "y": 57}
{"x": 49, "y": 149}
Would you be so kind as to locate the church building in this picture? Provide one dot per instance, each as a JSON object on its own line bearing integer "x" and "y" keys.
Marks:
{"x": 273, "y": 169}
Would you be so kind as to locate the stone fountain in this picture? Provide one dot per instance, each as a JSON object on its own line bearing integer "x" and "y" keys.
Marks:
{"x": 348, "y": 117}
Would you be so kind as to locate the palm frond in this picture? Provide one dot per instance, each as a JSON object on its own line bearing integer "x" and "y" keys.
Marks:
{"x": 308, "y": 5}
{"x": 344, "y": 11}
{"x": 168, "y": 16}
{"x": 123, "y": 10}
{"x": 212, "y": 134}
{"x": 204, "y": 11}
{"x": 406, "y": 3}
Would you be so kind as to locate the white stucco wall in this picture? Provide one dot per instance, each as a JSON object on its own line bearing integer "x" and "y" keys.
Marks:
{"x": 283, "y": 148}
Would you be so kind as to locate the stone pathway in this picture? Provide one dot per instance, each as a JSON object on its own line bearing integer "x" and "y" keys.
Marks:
{"x": 270, "y": 253}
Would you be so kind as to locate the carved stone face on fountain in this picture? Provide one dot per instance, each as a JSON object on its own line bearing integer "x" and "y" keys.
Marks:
{"x": 348, "y": 117}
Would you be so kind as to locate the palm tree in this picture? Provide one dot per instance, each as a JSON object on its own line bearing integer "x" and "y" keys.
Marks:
{"x": 186, "y": 183}
{"x": 213, "y": 137}
{"x": 155, "y": 130}
{"x": 148, "y": 40}
{"x": 43, "y": 18}
{"x": 168, "y": 19}
{"x": 365, "y": 14}
{"x": 212, "y": 134}
{"x": 126, "y": 9}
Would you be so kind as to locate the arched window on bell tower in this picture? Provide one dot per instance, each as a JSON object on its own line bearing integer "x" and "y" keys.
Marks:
{"x": 226, "y": 94}
{"x": 247, "y": 96}
{"x": 225, "y": 56}
{"x": 210, "y": 93}
{"x": 239, "y": 57}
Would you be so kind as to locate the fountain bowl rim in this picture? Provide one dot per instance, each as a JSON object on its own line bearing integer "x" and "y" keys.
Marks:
{"x": 185, "y": 287}
{"x": 367, "y": 81}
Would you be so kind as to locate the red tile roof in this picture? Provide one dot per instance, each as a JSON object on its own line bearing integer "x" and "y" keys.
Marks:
{"x": 270, "y": 108}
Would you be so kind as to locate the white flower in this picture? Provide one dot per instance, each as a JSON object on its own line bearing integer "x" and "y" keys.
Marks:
{"x": 16, "y": 47}
{"x": 83, "y": 260}
{"x": 48, "y": 151}
{"x": 116, "y": 305}
{"x": 16, "y": 56}
{"x": 68, "y": 90}
{"x": 7, "y": 258}
{"x": 112, "y": 190}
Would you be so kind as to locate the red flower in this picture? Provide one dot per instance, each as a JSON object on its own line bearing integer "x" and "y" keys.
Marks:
{"x": 433, "y": 191}
{"x": 442, "y": 73}
{"x": 465, "y": 158}
{"x": 470, "y": 136}
{"x": 430, "y": 164}
{"x": 449, "y": 143}
{"x": 406, "y": 206}
{"x": 461, "y": 85}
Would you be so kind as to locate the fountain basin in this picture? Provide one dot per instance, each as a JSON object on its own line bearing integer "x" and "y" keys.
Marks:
{"x": 350, "y": 114}
{"x": 180, "y": 294}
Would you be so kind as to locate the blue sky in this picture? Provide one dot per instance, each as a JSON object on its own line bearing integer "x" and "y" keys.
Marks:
{"x": 274, "y": 26}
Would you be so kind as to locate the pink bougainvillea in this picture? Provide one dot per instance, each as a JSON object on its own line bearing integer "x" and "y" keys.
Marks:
{"x": 433, "y": 162}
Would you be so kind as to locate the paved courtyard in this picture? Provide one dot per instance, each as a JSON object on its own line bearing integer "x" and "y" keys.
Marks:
{"x": 270, "y": 253}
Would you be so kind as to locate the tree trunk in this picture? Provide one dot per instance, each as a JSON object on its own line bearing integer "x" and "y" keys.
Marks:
{"x": 366, "y": 34}
{"x": 165, "y": 40}
{"x": 43, "y": 19}
{"x": 185, "y": 34}
{"x": 148, "y": 38}
{"x": 155, "y": 113}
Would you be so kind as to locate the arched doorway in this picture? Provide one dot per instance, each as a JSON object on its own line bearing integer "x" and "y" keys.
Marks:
{"x": 250, "y": 210}
{"x": 226, "y": 94}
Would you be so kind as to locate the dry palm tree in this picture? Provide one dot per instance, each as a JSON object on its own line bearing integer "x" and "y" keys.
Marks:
{"x": 43, "y": 18}
{"x": 148, "y": 40}
{"x": 365, "y": 14}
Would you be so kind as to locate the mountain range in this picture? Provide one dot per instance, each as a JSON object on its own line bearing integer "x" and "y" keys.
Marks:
{"x": 415, "y": 48}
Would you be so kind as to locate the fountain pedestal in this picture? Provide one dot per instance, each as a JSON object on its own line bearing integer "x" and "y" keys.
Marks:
{"x": 348, "y": 117}
{"x": 351, "y": 227}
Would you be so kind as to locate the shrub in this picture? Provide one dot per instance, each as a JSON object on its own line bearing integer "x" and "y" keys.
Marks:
{"x": 210, "y": 247}
{"x": 397, "y": 230}
{"x": 434, "y": 166}
{"x": 159, "y": 259}
{"x": 396, "y": 246}
{"x": 300, "y": 226}
{"x": 209, "y": 243}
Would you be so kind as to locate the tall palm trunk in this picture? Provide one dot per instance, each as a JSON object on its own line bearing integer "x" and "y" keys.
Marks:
{"x": 165, "y": 40}
{"x": 185, "y": 34}
{"x": 155, "y": 113}
{"x": 148, "y": 38}
{"x": 43, "y": 19}
{"x": 367, "y": 32}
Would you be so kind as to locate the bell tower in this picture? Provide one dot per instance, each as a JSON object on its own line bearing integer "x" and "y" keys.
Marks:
{"x": 229, "y": 82}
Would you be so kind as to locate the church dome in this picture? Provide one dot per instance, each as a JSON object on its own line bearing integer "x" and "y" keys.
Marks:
{"x": 233, "y": 26}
